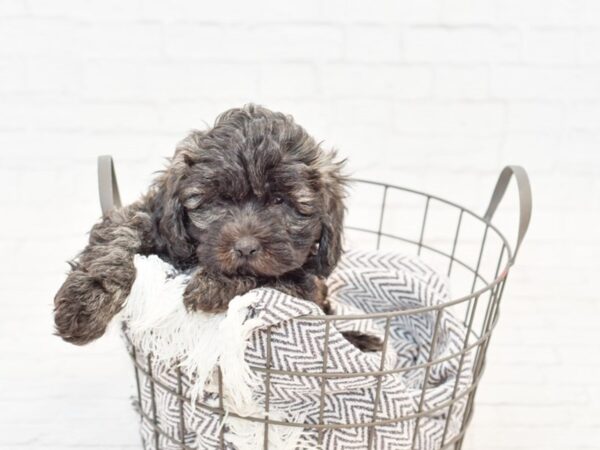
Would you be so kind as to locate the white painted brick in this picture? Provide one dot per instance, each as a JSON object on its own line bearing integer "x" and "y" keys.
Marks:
{"x": 288, "y": 80}
{"x": 180, "y": 117}
{"x": 590, "y": 46}
{"x": 55, "y": 116}
{"x": 193, "y": 40}
{"x": 523, "y": 395}
{"x": 515, "y": 374}
{"x": 462, "y": 83}
{"x": 530, "y": 82}
{"x": 121, "y": 117}
{"x": 12, "y": 75}
{"x": 123, "y": 40}
{"x": 539, "y": 12}
{"x": 342, "y": 80}
{"x": 119, "y": 80}
{"x": 468, "y": 12}
{"x": 589, "y": 13}
{"x": 40, "y": 37}
{"x": 528, "y": 437}
{"x": 419, "y": 11}
{"x": 91, "y": 10}
{"x": 461, "y": 44}
{"x": 204, "y": 80}
{"x": 10, "y": 8}
{"x": 580, "y": 224}
{"x": 13, "y": 116}
{"x": 584, "y": 116}
{"x": 313, "y": 11}
{"x": 362, "y": 111}
{"x": 579, "y": 355}
{"x": 452, "y": 118}
{"x": 137, "y": 153}
{"x": 260, "y": 11}
{"x": 298, "y": 42}
{"x": 535, "y": 116}
{"x": 410, "y": 11}
{"x": 436, "y": 153}
{"x": 533, "y": 415}
{"x": 551, "y": 46}
{"x": 555, "y": 194}
{"x": 260, "y": 43}
{"x": 10, "y": 182}
{"x": 583, "y": 150}
{"x": 509, "y": 355}
{"x": 54, "y": 76}
{"x": 73, "y": 147}
{"x": 358, "y": 147}
{"x": 373, "y": 43}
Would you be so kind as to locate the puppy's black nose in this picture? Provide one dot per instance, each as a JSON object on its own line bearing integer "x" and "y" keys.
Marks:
{"x": 247, "y": 246}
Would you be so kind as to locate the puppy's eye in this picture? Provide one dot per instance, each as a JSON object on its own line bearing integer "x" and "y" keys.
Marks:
{"x": 227, "y": 197}
{"x": 277, "y": 200}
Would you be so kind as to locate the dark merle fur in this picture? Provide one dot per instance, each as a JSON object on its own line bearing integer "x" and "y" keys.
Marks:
{"x": 255, "y": 175}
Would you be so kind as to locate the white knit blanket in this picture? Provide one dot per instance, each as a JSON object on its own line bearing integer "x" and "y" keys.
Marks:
{"x": 194, "y": 344}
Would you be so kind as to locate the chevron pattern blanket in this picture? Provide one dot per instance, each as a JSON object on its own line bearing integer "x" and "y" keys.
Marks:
{"x": 237, "y": 342}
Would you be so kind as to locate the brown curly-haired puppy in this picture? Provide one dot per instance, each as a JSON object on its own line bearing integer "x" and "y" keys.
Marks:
{"x": 254, "y": 201}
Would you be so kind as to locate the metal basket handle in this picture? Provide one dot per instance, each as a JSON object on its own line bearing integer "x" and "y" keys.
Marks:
{"x": 108, "y": 187}
{"x": 525, "y": 204}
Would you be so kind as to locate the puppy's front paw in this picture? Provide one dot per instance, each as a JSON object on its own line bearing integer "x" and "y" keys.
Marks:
{"x": 213, "y": 294}
{"x": 82, "y": 309}
{"x": 363, "y": 342}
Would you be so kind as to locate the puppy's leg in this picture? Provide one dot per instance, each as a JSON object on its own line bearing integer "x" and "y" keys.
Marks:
{"x": 100, "y": 279}
{"x": 315, "y": 289}
{"x": 363, "y": 342}
{"x": 212, "y": 293}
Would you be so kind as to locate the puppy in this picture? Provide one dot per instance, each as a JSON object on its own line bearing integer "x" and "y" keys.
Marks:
{"x": 253, "y": 201}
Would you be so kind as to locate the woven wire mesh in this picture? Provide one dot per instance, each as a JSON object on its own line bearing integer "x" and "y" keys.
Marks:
{"x": 465, "y": 246}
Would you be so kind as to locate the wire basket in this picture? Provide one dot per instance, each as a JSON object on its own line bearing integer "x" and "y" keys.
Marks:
{"x": 465, "y": 246}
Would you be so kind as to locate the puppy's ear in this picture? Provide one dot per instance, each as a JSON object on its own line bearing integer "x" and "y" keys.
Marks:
{"x": 168, "y": 213}
{"x": 332, "y": 218}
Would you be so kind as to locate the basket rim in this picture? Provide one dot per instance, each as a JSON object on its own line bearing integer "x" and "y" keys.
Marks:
{"x": 489, "y": 285}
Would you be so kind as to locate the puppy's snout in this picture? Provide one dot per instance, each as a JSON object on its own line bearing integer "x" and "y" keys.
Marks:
{"x": 247, "y": 246}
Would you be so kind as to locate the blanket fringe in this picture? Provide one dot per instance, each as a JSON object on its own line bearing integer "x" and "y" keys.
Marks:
{"x": 158, "y": 324}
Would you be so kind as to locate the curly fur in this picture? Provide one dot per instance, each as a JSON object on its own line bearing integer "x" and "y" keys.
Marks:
{"x": 255, "y": 177}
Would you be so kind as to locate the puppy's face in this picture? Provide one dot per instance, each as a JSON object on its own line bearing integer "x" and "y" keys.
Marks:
{"x": 255, "y": 195}
{"x": 252, "y": 219}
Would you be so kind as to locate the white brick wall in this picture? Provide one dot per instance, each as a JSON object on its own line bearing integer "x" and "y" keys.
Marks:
{"x": 433, "y": 94}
